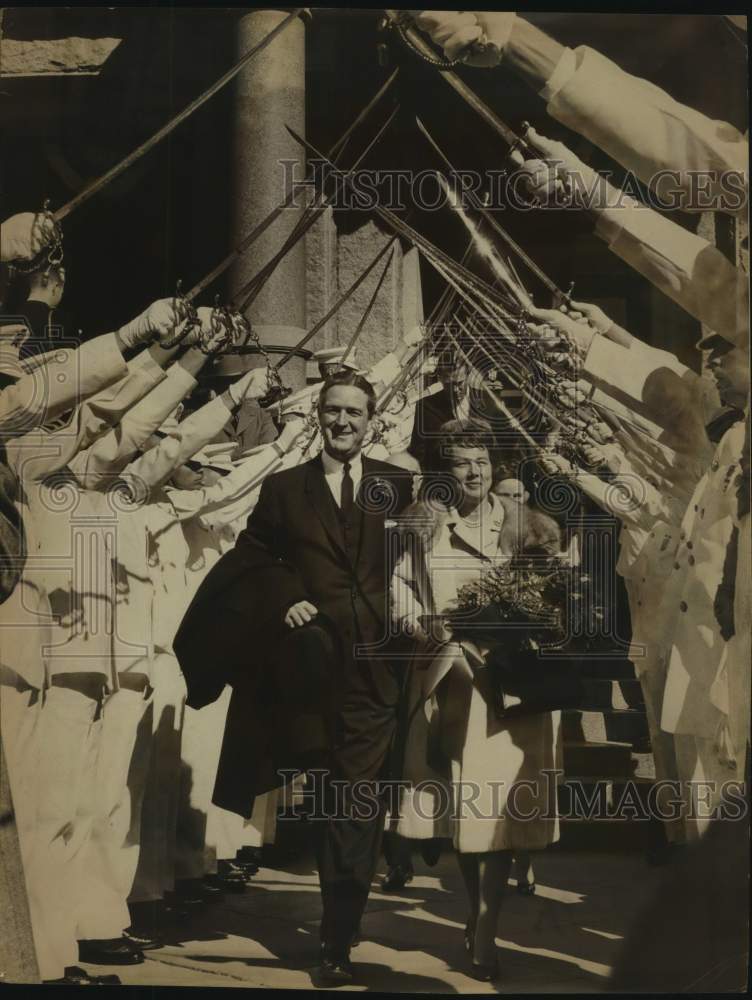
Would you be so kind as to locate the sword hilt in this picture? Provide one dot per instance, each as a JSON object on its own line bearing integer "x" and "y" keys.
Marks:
{"x": 402, "y": 22}
{"x": 274, "y": 395}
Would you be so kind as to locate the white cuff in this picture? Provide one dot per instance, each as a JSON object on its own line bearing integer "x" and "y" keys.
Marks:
{"x": 385, "y": 370}
{"x": 562, "y": 74}
{"x": 181, "y": 380}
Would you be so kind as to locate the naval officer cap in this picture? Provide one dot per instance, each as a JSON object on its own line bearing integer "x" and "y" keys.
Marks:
{"x": 334, "y": 356}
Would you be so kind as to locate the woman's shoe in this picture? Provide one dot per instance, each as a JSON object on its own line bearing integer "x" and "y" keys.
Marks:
{"x": 485, "y": 973}
{"x": 397, "y": 878}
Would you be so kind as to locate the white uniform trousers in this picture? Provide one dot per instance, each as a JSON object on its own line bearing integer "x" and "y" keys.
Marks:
{"x": 112, "y": 854}
{"x": 702, "y": 775}
{"x": 155, "y": 874}
{"x": 17, "y": 953}
{"x": 261, "y": 828}
{"x": 652, "y": 677}
{"x": 202, "y": 834}
{"x": 19, "y": 715}
{"x": 68, "y": 735}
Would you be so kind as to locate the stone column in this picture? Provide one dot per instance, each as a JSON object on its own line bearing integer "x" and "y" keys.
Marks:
{"x": 270, "y": 93}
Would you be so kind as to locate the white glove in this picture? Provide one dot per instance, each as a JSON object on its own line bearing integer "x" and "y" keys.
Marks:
{"x": 560, "y": 179}
{"x": 216, "y": 330}
{"x": 496, "y": 27}
{"x": 478, "y": 37}
{"x": 453, "y": 30}
{"x": 414, "y": 337}
{"x": 22, "y": 236}
{"x": 160, "y": 318}
{"x": 592, "y": 314}
{"x": 593, "y": 456}
{"x": 554, "y": 464}
{"x": 13, "y": 336}
{"x": 600, "y": 432}
{"x": 578, "y": 333}
{"x": 253, "y": 385}
{"x": 240, "y": 328}
{"x": 291, "y": 430}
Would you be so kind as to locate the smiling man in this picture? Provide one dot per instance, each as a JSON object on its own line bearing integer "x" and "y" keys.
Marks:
{"x": 311, "y": 566}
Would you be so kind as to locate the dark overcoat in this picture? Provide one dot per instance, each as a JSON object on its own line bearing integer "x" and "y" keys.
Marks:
{"x": 292, "y": 549}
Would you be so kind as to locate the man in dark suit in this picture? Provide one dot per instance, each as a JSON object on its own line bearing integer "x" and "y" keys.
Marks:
{"x": 251, "y": 425}
{"x": 432, "y": 412}
{"x": 315, "y": 548}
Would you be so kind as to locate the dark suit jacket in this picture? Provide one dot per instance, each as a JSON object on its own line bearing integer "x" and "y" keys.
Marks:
{"x": 291, "y": 550}
{"x": 250, "y": 426}
{"x": 430, "y": 413}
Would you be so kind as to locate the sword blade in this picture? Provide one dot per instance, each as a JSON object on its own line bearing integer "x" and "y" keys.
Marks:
{"x": 509, "y": 136}
{"x": 171, "y": 125}
{"x": 252, "y": 288}
{"x": 489, "y": 218}
{"x": 371, "y": 302}
{"x": 263, "y": 225}
{"x": 337, "y": 305}
{"x": 405, "y": 230}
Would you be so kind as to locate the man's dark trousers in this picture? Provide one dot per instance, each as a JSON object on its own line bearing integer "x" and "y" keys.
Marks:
{"x": 349, "y": 838}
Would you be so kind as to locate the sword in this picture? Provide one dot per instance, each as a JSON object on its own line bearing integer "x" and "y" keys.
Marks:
{"x": 411, "y": 34}
{"x": 337, "y": 305}
{"x": 254, "y": 285}
{"x": 557, "y": 293}
{"x": 369, "y": 307}
{"x": 405, "y": 230}
{"x": 262, "y": 226}
{"x": 171, "y": 125}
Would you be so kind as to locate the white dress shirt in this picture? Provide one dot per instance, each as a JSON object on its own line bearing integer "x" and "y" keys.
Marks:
{"x": 334, "y": 471}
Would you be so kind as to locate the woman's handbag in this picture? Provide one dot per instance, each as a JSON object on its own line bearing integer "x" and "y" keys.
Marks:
{"x": 524, "y": 683}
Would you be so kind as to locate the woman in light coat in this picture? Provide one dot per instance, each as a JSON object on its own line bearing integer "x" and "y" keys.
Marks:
{"x": 499, "y": 799}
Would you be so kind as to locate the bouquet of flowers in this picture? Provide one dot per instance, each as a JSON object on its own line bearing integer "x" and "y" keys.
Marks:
{"x": 514, "y": 611}
{"x": 523, "y": 603}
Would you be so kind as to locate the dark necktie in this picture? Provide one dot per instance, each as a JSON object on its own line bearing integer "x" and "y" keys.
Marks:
{"x": 346, "y": 495}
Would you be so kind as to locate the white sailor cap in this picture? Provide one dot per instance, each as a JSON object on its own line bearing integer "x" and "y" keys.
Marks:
{"x": 334, "y": 356}
{"x": 219, "y": 455}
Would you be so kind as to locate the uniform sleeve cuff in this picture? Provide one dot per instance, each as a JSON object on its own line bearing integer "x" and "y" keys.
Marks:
{"x": 181, "y": 379}
{"x": 104, "y": 354}
{"x": 145, "y": 363}
{"x": 562, "y": 74}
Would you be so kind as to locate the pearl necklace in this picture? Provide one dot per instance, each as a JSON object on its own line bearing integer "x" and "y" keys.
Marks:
{"x": 473, "y": 523}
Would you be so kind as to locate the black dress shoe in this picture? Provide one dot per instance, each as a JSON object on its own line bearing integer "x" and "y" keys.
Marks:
{"x": 250, "y": 857}
{"x": 525, "y": 888}
{"x": 469, "y": 934}
{"x": 396, "y": 878}
{"x": 485, "y": 973}
{"x": 334, "y": 971}
{"x": 75, "y": 976}
{"x": 143, "y": 940}
{"x": 224, "y": 883}
{"x": 235, "y": 870}
{"x": 109, "y": 951}
{"x": 191, "y": 891}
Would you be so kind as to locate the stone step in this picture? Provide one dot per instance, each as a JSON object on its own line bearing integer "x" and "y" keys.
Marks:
{"x": 614, "y": 726}
{"x": 608, "y": 668}
{"x": 591, "y": 759}
{"x": 589, "y": 797}
{"x": 604, "y": 835}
